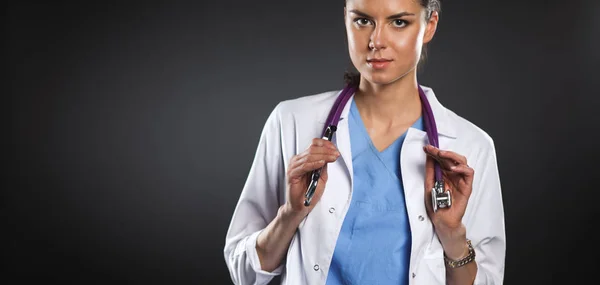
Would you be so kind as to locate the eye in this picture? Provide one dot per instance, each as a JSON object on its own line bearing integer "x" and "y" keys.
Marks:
{"x": 400, "y": 23}
{"x": 362, "y": 21}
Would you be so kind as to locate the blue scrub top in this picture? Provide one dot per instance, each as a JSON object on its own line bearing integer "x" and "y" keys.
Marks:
{"x": 374, "y": 244}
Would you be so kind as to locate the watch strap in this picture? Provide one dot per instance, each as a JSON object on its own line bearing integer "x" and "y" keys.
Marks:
{"x": 461, "y": 262}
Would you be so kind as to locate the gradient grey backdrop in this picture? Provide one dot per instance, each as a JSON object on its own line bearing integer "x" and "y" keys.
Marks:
{"x": 132, "y": 126}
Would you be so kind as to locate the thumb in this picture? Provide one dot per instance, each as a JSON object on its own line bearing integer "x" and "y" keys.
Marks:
{"x": 321, "y": 187}
{"x": 324, "y": 174}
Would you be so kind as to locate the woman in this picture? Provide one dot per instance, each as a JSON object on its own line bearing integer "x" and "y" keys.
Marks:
{"x": 372, "y": 219}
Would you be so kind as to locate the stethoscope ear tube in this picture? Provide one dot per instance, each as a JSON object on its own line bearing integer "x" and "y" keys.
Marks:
{"x": 440, "y": 198}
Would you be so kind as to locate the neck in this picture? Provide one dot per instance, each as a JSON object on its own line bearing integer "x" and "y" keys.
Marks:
{"x": 388, "y": 106}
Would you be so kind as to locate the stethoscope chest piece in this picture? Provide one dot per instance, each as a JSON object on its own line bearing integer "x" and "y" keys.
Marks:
{"x": 439, "y": 197}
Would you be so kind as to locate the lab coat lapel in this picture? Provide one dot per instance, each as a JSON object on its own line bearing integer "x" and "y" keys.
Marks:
{"x": 342, "y": 139}
{"x": 412, "y": 159}
{"x": 412, "y": 163}
{"x": 338, "y": 191}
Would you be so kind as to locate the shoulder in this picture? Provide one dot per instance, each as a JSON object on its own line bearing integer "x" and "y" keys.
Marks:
{"x": 314, "y": 106}
{"x": 472, "y": 135}
{"x": 295, "y": 122}
{"x": 450, "y": 123}
{"x": 470, "y": 130}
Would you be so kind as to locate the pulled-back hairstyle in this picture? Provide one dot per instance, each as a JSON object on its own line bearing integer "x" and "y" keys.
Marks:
{"x": 353, "y": 77}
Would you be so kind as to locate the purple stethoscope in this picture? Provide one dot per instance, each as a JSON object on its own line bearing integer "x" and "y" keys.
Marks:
{"x": 439, "y": 197}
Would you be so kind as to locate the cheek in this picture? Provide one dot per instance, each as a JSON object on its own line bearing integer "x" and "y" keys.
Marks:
{"x": 355, "y": 43}
{"x": 357, "y": 48}
{"x": 407, "y": 45}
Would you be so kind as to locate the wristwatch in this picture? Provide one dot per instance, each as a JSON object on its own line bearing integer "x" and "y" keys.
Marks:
{"x": 458, "y": 263}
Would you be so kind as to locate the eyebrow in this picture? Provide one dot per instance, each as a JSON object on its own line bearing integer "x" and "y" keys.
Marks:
{"x": 399, "y": 15}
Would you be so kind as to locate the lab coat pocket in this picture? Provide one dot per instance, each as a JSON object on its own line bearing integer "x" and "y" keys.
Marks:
{"x": 433, "y": 260}
{"x": 434, "y": 271}
{"x": 434, "y": 250}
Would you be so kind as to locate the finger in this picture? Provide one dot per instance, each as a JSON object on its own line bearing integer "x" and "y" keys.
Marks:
{"x": 467, "y": 172}
{"x": 318, "y": 142}
{"x": 309, "y": 162}
{"x": 314, "y": 157}
{"x": 429, "y": 173}
{"x": 460, "y": 159}
{"x": 305, "y": 158}
{"x": 310, "y": 156}
{"x": 321, "y": 186}
{"x": 321, "y": 150}
{"x": 429, "y": 182}
{"x": 302, "y": 168}
{"x": 445, "y": 162}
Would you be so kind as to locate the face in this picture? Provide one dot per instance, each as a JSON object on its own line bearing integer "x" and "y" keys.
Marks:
{"x": 385, "y": 37}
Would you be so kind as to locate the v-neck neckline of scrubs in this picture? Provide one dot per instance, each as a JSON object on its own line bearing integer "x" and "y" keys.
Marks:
{"x": 363, "y": 130}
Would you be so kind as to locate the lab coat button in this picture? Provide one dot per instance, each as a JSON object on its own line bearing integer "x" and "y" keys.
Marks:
{"x": 413, "y": 275}
{"x": 421, "y": 218}
{"x": 331, "y": 210}
{"x": 316, "y": 268}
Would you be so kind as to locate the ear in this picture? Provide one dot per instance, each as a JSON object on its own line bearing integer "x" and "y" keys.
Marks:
{"x": 431, "y": 27}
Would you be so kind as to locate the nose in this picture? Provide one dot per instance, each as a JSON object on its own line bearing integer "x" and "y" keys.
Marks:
{"x": 377, "y": 40}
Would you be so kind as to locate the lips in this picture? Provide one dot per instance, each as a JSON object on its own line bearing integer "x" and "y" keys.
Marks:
{"x": 378, "y": 63}
{"x": 378, "y": 60}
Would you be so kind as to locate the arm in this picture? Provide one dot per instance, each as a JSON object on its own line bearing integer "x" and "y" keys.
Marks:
{"x": 261, "y": 230}
{"x": 482, "y": 222}
{"x": 455, "y": 248}
{"x": 273, "y": 242}
{"x": 256, "y": 208}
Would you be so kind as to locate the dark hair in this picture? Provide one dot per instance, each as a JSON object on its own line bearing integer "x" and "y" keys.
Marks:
{"x": 353, "y": 77}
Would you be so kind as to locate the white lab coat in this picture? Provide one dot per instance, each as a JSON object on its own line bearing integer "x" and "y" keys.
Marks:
{"x": 291, "y": 127}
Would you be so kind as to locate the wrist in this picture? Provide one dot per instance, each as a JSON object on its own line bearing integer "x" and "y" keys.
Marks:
{"x": 287, "y": 214}
{"x": 454, "y": 242}
{"x": 468, "y": 258}
{"x": 457, "y": 250}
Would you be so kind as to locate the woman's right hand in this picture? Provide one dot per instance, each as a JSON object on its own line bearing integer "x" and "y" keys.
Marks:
{"x": 317, "y": 155}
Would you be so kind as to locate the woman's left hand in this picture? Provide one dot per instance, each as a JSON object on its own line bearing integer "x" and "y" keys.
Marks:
{"x": 458, "y": 178}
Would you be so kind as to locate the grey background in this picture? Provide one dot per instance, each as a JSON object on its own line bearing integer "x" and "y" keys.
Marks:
{"x": 132, "y": 126}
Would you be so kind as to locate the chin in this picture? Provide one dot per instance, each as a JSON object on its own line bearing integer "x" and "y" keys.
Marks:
{"x": 380, "y": 78}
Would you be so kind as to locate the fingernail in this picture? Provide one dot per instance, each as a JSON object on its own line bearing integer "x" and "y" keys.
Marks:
{"x": 453, "y": 167}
